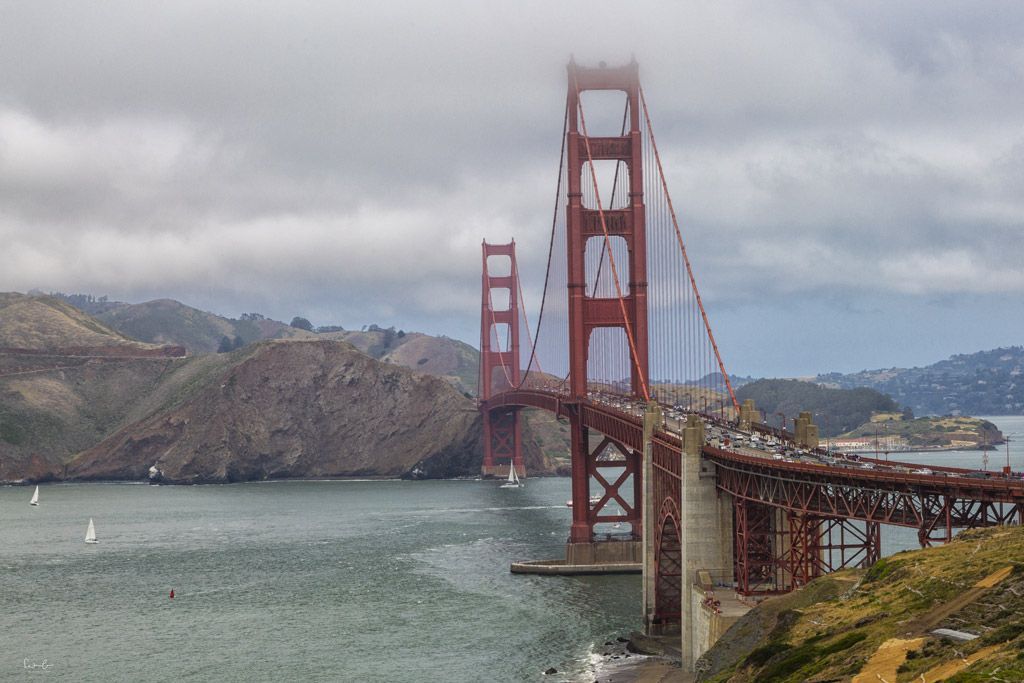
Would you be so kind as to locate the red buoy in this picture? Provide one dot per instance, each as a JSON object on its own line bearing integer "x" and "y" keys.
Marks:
{"x": 172, "y": 594}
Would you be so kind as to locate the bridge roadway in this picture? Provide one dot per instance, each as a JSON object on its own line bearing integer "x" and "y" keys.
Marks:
{"x": 765, "y": 466}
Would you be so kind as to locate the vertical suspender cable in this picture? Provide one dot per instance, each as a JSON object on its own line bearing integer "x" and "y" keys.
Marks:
{"x": 682, "y": 247}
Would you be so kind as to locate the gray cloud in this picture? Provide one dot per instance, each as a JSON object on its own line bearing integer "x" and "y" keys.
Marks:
{"x": 344, "y": 161}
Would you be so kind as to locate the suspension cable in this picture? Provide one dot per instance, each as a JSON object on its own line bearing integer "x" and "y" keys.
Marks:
{"x": 551, "y": 243}
{"x": 682, "y": 247}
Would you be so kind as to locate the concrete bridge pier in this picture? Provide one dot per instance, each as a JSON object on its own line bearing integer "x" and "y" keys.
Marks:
{"x": 705, "y": 541}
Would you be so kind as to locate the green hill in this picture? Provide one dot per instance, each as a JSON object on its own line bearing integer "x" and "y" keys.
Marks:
{"x": 842, "y": 409}
{"x": 982, "y": 383}
{"x": 165, "y": 321}
{"x": 931, "y": 432}
{"x": 877, "y": 624}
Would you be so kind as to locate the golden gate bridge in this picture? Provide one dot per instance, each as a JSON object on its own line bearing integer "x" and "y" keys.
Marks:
{"x": 669, "y": 472}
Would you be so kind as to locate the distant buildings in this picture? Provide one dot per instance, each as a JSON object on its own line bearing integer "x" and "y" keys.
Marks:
{"x": 866, "y": 444}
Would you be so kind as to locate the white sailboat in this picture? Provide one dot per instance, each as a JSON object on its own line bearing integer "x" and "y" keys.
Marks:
{"x": 90, "y": 533}
{"x": 35, "y": 498}
{"x": 513, "y": 479}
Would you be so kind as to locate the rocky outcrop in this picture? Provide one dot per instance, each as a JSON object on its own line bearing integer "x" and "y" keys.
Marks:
{"x": 299, "y": 409}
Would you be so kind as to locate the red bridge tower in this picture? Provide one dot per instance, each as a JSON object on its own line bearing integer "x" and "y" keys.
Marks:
{"x": 627, "y": 310}
{"x": 500, "y": 369}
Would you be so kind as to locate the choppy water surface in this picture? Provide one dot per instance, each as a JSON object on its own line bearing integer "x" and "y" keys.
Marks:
{"x": 342, "y": 580}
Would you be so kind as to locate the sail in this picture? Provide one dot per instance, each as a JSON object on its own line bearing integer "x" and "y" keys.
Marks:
{"x": 513, "y": 478}
{"x": 90, "y": 533}
{"x": 35, "y": 498}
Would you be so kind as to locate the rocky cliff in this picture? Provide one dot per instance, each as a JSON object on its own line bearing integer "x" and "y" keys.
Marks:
{"x": 297, "y": 408}
{"x": 300, "y": 409}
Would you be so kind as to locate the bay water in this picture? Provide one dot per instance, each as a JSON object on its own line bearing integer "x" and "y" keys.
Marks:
{"x": 316, "y": 581}
{"x": 298, "y": 580}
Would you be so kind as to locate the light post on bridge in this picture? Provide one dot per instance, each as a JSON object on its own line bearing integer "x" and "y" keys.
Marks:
{"x": 783, "y": 424}
{"x": 888, "y": 444}
{"x": 1006, "y": 440}
{"x": 824, "y": 417}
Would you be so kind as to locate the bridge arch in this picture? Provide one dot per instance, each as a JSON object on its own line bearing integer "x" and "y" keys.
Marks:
{"x": 669, "y": 576}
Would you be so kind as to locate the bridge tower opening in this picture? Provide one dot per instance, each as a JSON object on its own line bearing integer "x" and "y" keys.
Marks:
{"x": 499, "y": 360}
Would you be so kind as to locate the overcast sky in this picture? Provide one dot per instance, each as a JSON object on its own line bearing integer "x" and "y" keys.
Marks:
{"x": 850, "y": 175}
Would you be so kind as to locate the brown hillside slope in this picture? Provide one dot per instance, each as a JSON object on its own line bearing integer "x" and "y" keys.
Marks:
{"x": 456, "y": 361}
{"x": 299, "y": 409}
{"x": 53, "y": 407}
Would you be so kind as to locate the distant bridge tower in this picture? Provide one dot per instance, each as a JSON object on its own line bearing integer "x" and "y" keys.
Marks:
{"x": 500, "y": 369}
{"x": 588, "y": 312}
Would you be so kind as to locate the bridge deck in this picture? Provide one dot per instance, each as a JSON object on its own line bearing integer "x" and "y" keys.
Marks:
{"x": 770, "y": 454}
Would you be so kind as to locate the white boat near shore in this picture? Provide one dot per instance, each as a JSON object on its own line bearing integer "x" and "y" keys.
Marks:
{"x": 513, "y": 479}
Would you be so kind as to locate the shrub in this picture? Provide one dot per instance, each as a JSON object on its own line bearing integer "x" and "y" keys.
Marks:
{"x": 761, "y": 655}
{"x": 879, "y": 570}
{"x": 1003, "y": 633}
{"x": 844, "y": 643}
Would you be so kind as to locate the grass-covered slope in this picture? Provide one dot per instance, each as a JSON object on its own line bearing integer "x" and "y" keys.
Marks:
{"x": 43, "y": 323}
{"x": 877, "y": 624}
{"x": 166, "y": 321}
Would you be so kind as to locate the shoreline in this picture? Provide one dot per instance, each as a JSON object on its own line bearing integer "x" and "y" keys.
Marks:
{"x": 272, "y": 480}
{"x": 638, "y": 659}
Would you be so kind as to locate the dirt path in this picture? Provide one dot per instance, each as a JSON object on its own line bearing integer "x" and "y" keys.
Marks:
{"x": 887, "y": 658}
{"x": 932, "y": 618}
{"x": 944, "y": 671}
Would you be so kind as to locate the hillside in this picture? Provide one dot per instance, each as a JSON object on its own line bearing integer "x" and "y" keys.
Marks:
{"x": 273, "y": 409}
{"x": 54, "y": 407}
{"x": 298, "y": 409}
{"x": 165, "y": 321}
{"x": 929, "y": 432}
{"x": 836, "y": 410}
{"x": 878, "y": 624}
{"x": 982, "y": 383}
{"x": 58, "y": 406}
{"x": 439, "y": 356}
{"x": 44, "y": 323}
